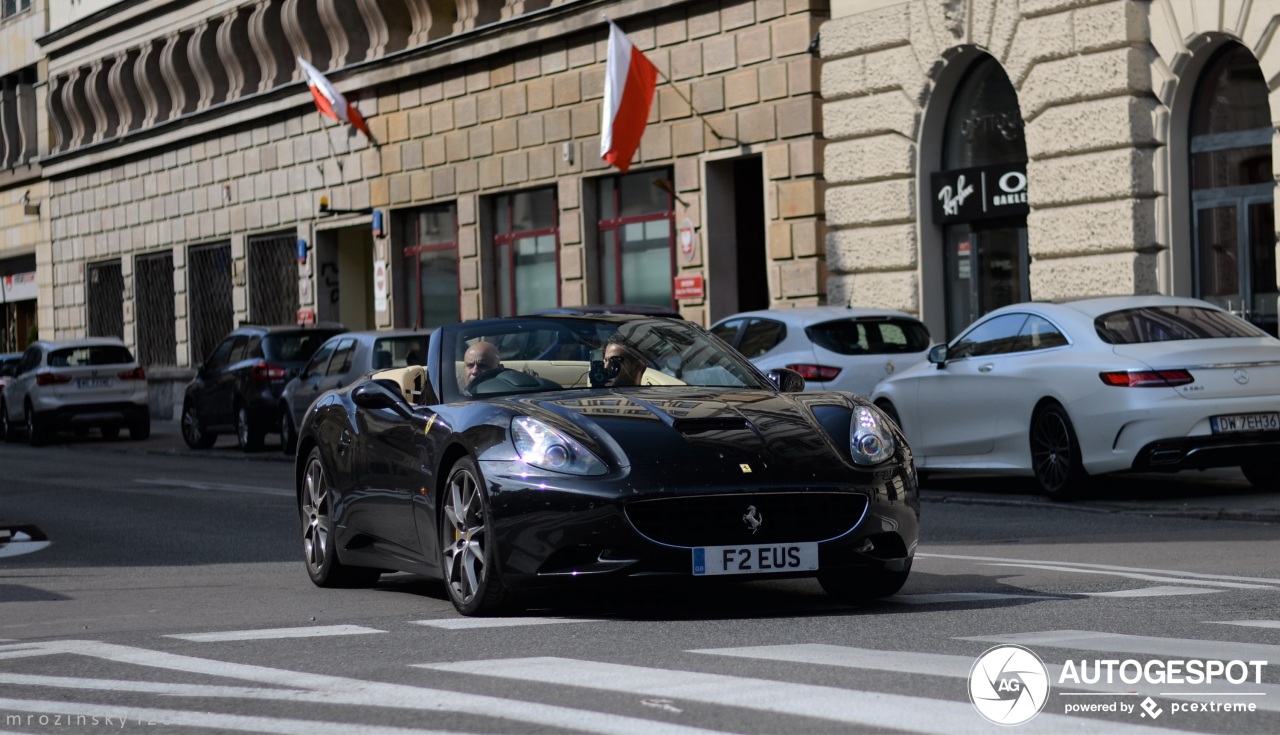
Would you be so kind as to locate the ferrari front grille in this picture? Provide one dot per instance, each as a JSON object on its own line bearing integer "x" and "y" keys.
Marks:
{"x": 747, "y": 518}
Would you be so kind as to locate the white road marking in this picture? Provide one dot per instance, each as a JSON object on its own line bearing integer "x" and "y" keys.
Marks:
{"x": 877, "y": 710}
{"x": 18, "y": 548}
{"x": 471, "y": 623}
{"x": 936, "y": 598}
{"x": 1087, "y": 640}
{"x": 305, "y": 687}
{"x": 1247, "y": 623}
{"x": 314, "y": 631}
{"x": 958, "y": 667}
{"x": 1130, "y": 575}
{"x": 221, "y": 486}
{"x": 45, "y": 711}
{"x": 1102, "y": 567}
{"x": 1158, "y": 591}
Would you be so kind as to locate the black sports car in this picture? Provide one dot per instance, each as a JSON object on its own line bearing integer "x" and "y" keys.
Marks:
{"x": 560, "y": 449}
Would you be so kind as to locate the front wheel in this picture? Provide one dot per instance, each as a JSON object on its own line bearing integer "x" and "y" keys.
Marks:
{"x": 863, "y": 585}
{"x": 288, "y": 433}
{"x": 37, "y": 434}
{"x": 467, "y": 556}
{"x": 1055, "y": 454}
{"x": 248, "y": 435}
{"x": 193, "y": 431}
{"x": 319, "y": 546}
{"x": 1264, "y": 476}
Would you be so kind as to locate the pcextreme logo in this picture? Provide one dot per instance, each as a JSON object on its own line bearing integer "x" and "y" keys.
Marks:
{"x": 1008, "y": 685}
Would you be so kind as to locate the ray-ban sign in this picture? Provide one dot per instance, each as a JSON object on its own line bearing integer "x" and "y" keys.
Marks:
{"x": 979, "y": 193}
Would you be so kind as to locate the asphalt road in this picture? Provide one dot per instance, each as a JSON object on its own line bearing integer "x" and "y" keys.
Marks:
{"x": 170, "y": 598}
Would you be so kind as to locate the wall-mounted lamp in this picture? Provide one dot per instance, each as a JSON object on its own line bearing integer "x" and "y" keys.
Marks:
{"x": 27, "y": 206}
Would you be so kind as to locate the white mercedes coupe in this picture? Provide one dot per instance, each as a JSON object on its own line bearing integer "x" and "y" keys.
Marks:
{"x": 1062, "y": 391}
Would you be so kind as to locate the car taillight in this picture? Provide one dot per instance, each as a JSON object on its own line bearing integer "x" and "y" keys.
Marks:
{"x": 135, "y": 374}
{"x": 263, "y": 371}
{"x": 1147, "y": 378}
{"x": 46, "y": 378}
{"x": 816, "y": 372}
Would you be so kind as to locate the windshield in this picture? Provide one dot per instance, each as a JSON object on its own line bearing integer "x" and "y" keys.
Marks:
{"x": 530, "y": 355}
{"x": 90, "y": 355}
{"x": 1167, "y": 323}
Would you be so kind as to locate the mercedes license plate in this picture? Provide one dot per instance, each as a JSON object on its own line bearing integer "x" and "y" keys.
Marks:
{"x": 83, "y": 383}
{"x": 1245, "y": 422}
{"x": 755, "y": 559}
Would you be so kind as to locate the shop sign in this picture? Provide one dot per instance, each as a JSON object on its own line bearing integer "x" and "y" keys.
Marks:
{"x": 962, "y": 195}
{"x": 18, "y": 287}
{"x": 688, "y": 287}
{"x": 306, "y": 317}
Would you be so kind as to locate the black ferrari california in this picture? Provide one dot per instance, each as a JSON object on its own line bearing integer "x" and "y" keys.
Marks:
{"x": 561, "y": 450}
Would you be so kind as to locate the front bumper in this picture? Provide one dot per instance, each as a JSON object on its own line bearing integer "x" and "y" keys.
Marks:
{"x": 552, "y": 532}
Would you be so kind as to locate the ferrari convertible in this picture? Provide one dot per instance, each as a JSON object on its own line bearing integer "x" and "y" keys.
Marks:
{"x": 564, "y": 450}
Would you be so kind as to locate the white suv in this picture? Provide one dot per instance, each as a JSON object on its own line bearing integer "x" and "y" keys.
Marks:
{"x": 76, "y": 384}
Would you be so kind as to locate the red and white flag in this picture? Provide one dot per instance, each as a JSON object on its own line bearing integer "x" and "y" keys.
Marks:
{"x": 629, "y": 82}
{"x": 330, "y": 101}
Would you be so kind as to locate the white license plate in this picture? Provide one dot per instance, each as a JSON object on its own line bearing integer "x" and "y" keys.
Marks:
{"x": 756, "y": 559}
{"x": 1245, "y": 422}
{"x": 83, "y": 383}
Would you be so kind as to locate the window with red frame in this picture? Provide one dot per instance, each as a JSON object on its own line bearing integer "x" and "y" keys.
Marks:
{"x": 526, "y": 244}
{"x": 637, "y": 239}
{"x": 431, "y": 267}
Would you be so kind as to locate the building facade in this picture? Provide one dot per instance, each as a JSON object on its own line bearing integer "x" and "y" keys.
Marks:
{"x": 24, "y": 232}
{"x": 985, "y": 152}
{"x": 187, "y": 164}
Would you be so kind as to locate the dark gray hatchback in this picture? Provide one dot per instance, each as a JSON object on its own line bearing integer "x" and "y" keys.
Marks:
{"x": 237, "y": 388}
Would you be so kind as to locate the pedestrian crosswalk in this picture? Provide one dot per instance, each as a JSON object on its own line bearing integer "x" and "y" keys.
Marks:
{"x": 688, "y": 694}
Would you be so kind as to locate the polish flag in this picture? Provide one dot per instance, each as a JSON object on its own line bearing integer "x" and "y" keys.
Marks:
{"x": 330, "y": 101}
{"x": 629, "y": 83}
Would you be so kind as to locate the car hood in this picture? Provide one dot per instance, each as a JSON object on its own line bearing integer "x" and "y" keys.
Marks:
{"x": 750, "y": 435}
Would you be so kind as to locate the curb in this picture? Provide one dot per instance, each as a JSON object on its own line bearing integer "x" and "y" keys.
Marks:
{"x": 1261, "y": 515}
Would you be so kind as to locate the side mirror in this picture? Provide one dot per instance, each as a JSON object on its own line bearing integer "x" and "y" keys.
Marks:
{"x": 938, "y": 355}
{"x": 786, "y": 379}
{"x": 376, "y": 395}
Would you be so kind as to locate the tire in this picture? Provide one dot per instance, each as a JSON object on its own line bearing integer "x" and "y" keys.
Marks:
{"x": 7, "y": 429}
{"x": 1263, "y": 476}
{"x": 110, "y": 432}
{"x": 37, "y": 433}
{"x": 1055, "y": 454}
{"x": 467, "y": 553}
{"x": 288, "y": 432}
{"x": 863, "y": 585}
{"x": 193, "y": 431}
{"x": 247, "y": 435}
{"x": 319, "y": 550}
{"x": 140, "y": 429}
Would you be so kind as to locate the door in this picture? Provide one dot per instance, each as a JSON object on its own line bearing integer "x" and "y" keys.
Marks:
{"x": 389, "y": 454}
{"x": 1235, "y": 254}
{"x": 972, "y": 389}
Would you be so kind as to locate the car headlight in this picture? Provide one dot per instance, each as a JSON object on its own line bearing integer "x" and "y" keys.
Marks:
{"x": 870, "y": 438}
{"x": 543, "y": 447}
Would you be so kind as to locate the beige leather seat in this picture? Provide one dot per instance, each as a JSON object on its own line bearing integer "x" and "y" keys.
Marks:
{"x": 412, "y": 381}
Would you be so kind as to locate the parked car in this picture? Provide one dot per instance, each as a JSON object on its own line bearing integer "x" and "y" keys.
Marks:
{"x": 76, "y": 384}
{"x": 8, "y": 366}
{"x": 832, "y": 347}
{"x": 339, "y": 362}
{"x": 664, "y": 454}
{"x": 238, "y": 388}
{"x": 1062, "y": 391}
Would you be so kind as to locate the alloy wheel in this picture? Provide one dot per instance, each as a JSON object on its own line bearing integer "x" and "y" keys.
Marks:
{"x": 315, "y": 518}
{"x": 465, "y": 538}
{"x": 1053, "y": 452}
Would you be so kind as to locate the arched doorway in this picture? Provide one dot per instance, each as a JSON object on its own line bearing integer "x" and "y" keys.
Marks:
{"x": 980, "y": 197}
{"x": 1233, "y": 189}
